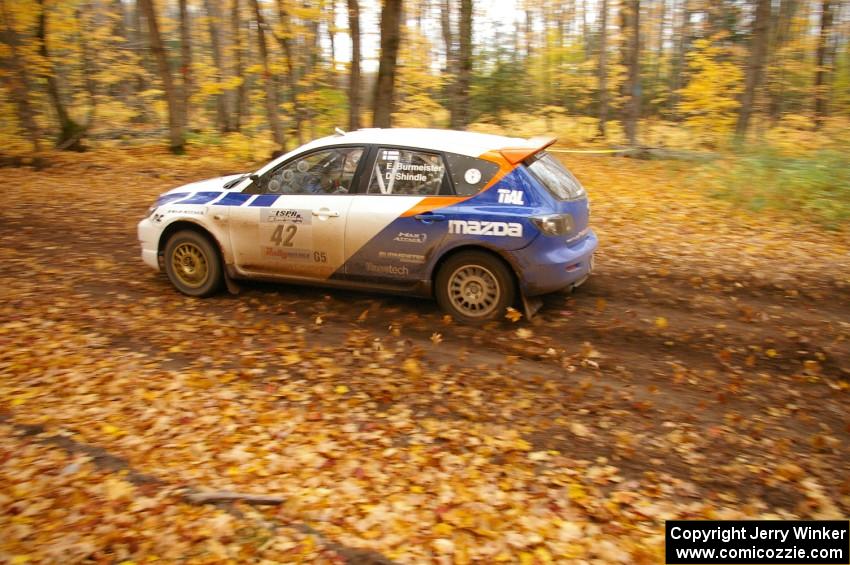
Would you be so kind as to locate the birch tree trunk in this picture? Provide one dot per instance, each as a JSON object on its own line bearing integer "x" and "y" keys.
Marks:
{"x": 354, "y": 74}
{"x": 602, "y": 72}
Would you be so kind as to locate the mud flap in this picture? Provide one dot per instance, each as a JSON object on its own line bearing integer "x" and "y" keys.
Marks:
{"x": 530, "y": 305}
{"x": 232, "y": 286}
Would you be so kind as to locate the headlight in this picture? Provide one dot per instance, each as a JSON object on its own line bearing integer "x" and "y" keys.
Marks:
{"x": 554, "y": 224}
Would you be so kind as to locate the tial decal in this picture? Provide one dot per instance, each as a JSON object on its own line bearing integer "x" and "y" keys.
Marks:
{"x": 510, "y": 196}
{"x": 408, "y": 237}
{"x": 474, "y": 227}
{"x": 282, "y": 216}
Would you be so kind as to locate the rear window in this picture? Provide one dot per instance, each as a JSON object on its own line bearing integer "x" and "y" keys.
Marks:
{"x": 555, "y": 177}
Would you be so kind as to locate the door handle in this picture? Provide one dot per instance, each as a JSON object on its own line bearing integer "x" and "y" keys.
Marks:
{"x": 428, "y": 217}
{"x": 325, "y": 212}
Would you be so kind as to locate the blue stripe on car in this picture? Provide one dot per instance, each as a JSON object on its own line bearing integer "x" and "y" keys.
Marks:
{"x": 264, "y": 200}
{"x": 166, "y": 198}
{"x": 233, "y": 199}
{"x": 201, "y": 198}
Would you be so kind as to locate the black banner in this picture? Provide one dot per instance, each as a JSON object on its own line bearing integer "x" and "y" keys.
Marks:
{"x": 757, "y": 541}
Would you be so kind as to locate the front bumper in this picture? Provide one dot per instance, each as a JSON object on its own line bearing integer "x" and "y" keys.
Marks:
{"x": 149, "y": 239}
{"x": 548, "y": 264}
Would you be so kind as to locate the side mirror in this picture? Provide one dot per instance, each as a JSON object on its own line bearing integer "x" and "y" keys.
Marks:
{"x": 254, "y": 177}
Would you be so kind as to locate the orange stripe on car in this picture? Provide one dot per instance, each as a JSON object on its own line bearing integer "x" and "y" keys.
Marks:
{"x": 507, "y": 159}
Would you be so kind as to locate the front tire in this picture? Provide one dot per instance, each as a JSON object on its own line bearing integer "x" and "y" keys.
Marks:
{"x": 474, "y": 287}
{"x": 192, "y": 264}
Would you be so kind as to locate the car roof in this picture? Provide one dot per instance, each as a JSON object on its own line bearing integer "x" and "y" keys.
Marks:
{"x": 468, "y": 143}
{"x": 461, "y": 142}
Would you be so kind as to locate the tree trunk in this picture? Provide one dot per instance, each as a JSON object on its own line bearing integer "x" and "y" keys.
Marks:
{"x": 268, "y": 78}
{"x": 175, "y": 123}
{"x": 633, "y": 65}
{"x": 292, "y": 75}
{"x": 119, "y": 30}
{"x": 354, "y": 75}
{"x": 222, "y": 115}
{"x": 385, "y": 85}
{"x": 312, "y": 47}
{"x": 602, "y": 73}
{"x": 682, "y": 44}
{"x": 88, "y": 63}
{"x": 755, "y": 66}
{"x": 822, "y": 71}
{"x": 70, "y": 132}
{"x": 18, "y": 80}
{"x": 185, "y": 62}
{"x": 787, "y": 10}
{"x": 136, "y": 35}
{"x": 465, "y": 63}
{"x": 450, "y": 69}
{"x": 241, "y": 101}
{"x": 331, "y": 37}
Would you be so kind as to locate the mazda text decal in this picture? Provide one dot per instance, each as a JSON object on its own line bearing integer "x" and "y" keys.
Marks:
{"x": 473, "y": 227}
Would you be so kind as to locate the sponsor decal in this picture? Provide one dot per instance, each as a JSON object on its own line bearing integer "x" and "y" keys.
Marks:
{"x": 409, "y": 237}
{"x": 285, "y": 216}
{"x": 510, "y": 196}
{"x": 186, "y": 212}
{"x": 402, "y": 257}
{"x": 474, "y": 227}
{"x": 287, "y": 254}
{"x": 411, "y": 172}
{"x": 472, "y": 176}
{"x": 395, "y": 270}
{"x": 158, "y": 218}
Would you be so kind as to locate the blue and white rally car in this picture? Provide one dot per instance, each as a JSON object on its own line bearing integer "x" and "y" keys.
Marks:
{"x": 478, "y": 221}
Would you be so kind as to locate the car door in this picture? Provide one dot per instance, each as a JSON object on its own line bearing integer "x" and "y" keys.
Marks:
{"x": 394, "y": 224}
{"x": 294, "y": 225}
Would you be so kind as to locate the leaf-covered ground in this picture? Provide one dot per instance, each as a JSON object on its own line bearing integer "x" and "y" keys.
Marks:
{"x": 702, "y": 372}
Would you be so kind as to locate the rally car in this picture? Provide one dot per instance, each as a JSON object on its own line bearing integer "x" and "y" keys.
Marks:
{"x": 480, "y": 222}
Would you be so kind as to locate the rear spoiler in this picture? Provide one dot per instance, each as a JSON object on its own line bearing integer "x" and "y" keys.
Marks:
{"x": 516, "y": 155}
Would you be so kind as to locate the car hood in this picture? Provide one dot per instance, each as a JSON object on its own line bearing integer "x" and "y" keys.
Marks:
{"x": 213, "y": 184}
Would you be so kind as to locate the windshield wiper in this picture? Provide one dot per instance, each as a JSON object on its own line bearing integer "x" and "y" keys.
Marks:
{"x": 237, "y": 180}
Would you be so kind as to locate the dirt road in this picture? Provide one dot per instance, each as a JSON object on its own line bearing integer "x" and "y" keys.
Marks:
{"x": 702, "y": 371}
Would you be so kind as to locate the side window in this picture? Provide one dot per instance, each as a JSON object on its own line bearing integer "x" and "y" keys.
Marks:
{"x": 470, "y": 174}
{"x": 330, "y": 171}
{"x": 402, "y": 171}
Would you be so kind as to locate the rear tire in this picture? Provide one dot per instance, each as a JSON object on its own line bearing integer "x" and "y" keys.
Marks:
{"x": 192, "y": 264}
{"x": 474, "y": 287}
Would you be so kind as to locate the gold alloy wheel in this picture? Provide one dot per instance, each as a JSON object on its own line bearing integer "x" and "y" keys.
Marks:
{"x": 474, "y": 291}
{"x": 189, "y": 264}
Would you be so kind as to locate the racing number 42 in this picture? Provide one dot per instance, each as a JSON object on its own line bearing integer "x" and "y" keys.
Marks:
{"x": 283, "y": 235}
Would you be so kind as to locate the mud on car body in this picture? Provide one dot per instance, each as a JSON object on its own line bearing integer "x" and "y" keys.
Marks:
{"x": 477, "y": 221}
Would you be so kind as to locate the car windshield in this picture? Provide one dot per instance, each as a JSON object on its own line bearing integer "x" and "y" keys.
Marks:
{"x": 555, "y": 177}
